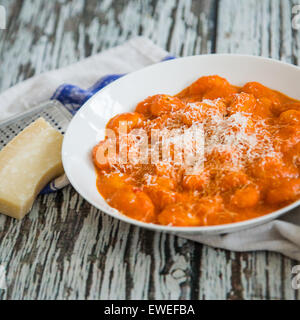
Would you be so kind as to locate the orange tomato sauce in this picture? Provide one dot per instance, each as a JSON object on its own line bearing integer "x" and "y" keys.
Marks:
{"x": 251, "y": 156}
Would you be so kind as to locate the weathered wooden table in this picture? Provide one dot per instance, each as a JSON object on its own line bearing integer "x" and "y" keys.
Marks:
{"x": 66, "y": 249}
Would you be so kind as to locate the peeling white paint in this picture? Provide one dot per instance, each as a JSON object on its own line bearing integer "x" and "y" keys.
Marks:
{"x": 108, "y": 259}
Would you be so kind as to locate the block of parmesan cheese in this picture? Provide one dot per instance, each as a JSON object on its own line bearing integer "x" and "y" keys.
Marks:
{"x": 27, "y": 164}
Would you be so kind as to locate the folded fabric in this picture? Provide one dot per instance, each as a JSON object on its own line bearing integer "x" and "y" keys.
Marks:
{"x": 282, "y": 235}
{"x": 133, "y": 55}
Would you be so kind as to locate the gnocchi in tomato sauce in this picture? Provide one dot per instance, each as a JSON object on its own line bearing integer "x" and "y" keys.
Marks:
{"x": 250, "y": 164}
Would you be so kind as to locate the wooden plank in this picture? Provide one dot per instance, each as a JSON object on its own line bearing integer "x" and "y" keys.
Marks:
{"x": 259, "y": 28}
{"x": 65, "y": 249}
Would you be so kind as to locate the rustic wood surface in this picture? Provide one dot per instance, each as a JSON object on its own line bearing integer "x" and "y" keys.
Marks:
{"x": 66, "y": 249}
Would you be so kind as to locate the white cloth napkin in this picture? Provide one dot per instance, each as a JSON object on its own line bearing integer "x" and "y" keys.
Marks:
{"x": 282, "y": 235}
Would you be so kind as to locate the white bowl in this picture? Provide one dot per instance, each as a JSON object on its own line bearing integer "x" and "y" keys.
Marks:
{"x": 87, "y": 127}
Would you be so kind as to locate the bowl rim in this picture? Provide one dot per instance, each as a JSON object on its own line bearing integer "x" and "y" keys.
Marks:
{"x": 222, "y": 228}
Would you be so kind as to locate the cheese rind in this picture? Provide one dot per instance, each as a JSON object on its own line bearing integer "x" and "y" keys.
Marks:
{"x": 27, "y": 164}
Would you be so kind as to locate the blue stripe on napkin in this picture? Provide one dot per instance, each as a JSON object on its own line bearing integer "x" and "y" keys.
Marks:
{"x": 73, "y": 97}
